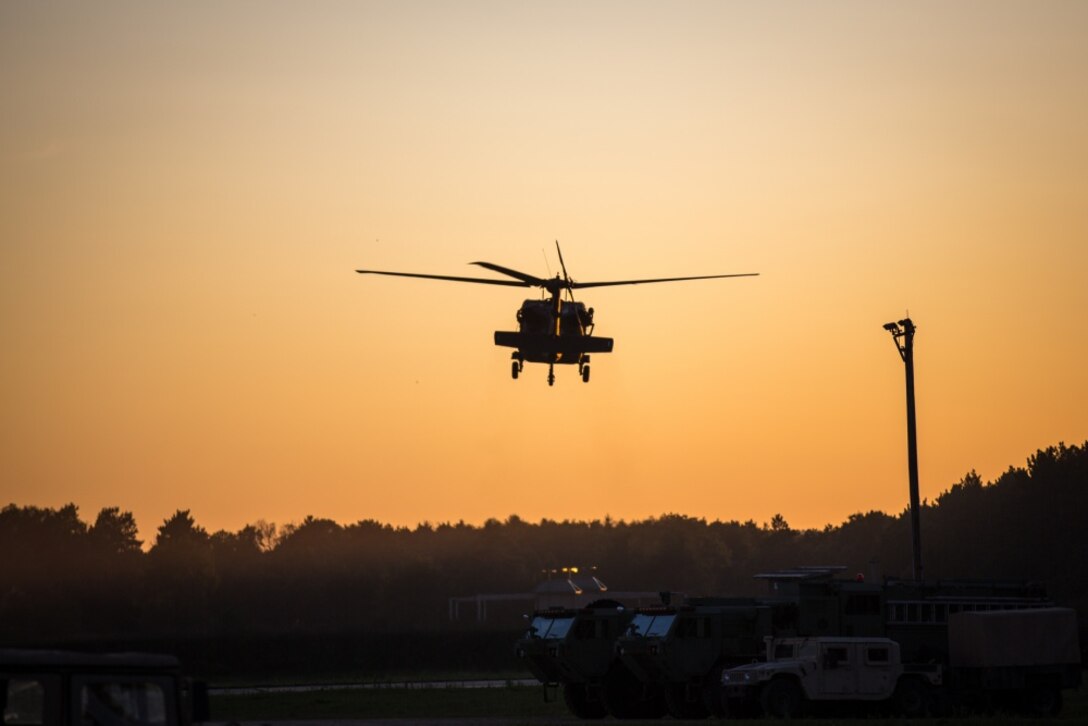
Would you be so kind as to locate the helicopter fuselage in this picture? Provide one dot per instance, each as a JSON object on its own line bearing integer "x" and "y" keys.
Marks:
{"x": 553, "y": 331}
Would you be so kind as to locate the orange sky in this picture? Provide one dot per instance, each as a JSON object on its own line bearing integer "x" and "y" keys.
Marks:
{"x": 187, "y": 188}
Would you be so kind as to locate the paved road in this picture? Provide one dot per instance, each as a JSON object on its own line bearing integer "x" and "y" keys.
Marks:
{"x": 310, "y": 687}
{"x": 409, "y": 721}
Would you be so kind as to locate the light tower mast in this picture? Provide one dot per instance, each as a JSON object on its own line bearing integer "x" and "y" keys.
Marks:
{"x": 903, "y": 334}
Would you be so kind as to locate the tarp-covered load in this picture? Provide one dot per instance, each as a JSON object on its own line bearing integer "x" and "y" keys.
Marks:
{"x": 1001, "y": 638}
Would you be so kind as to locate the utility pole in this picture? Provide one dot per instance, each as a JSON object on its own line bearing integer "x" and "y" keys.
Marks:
{"x": 903, "y": 334}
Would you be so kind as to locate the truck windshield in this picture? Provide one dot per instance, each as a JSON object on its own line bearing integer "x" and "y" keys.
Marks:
{"x": 550, "y": 628}
{"x": 647, "y": 625}
{"x": 808, "y": 649}
{"x": 121, "y": 703}
{"x": 24, "y": 703}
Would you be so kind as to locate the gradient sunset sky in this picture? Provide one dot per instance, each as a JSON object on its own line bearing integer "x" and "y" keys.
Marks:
{"x": 187, "y": 189}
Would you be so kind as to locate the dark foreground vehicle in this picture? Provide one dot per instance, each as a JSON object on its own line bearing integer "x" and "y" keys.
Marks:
{"x": 62, "y": 688}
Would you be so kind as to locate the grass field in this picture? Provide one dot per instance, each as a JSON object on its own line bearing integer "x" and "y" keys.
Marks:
{"x": 512, "y": 702}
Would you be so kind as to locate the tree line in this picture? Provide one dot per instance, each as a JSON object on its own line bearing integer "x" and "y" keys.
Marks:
{"x": 68, "y": 582}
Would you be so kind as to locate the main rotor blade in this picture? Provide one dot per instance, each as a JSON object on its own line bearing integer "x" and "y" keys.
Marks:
{"x": 530, "y": 280}
{"x": 660, "y": 279}
{"x": 566, "y": 277}
{"x": 562, "y": 264}
{"x": 481, "y": 280}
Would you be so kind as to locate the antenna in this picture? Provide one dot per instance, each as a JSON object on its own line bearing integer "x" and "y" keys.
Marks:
{"x": 546, "y": 265}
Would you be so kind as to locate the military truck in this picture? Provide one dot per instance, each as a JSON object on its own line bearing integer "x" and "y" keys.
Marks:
{"x": 573, "y": 649}
{"x": 683, "y": 649}
{"x": 1016, "y": 659}
{"x": 63, "y": 688}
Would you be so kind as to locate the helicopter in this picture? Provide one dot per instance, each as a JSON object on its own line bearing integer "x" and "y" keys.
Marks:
{"x": 550, "y": 330}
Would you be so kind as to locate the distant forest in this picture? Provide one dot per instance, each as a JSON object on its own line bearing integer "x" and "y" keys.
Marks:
{"x": 361, "y": 595}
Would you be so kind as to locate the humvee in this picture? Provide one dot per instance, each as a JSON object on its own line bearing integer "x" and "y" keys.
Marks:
{"x": 799, "y": 672}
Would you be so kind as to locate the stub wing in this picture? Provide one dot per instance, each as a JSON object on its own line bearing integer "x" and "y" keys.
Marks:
{"x": 533, "y": 345}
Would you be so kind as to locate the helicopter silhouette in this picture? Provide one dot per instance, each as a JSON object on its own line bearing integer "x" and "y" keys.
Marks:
{"x": 550, "y": 330}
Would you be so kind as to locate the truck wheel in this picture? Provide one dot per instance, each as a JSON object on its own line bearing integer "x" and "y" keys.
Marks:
{"x": 1043, "y": 701}
{"x": 782, "y": 698}
{"x": 576, "y": 696}
{"x": 739, "y": 708}
{"x": 911, "y": 698}
{"x": 653, "y": 705}
{"x": 680, "y": 707}
{"x": 625, "y": 697}
{"x": 713, "y": 695}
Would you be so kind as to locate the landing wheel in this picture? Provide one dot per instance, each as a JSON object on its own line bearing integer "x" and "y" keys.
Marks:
{"x": 515, "y": 369}
{"x": 551, "y": 376}
{"x": 583, "y": 368}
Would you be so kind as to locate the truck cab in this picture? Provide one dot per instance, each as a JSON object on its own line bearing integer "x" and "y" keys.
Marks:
{"x": 684, "y": 648}
{"x": 574, "y": 648}
{"x": 563, "y": 644}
